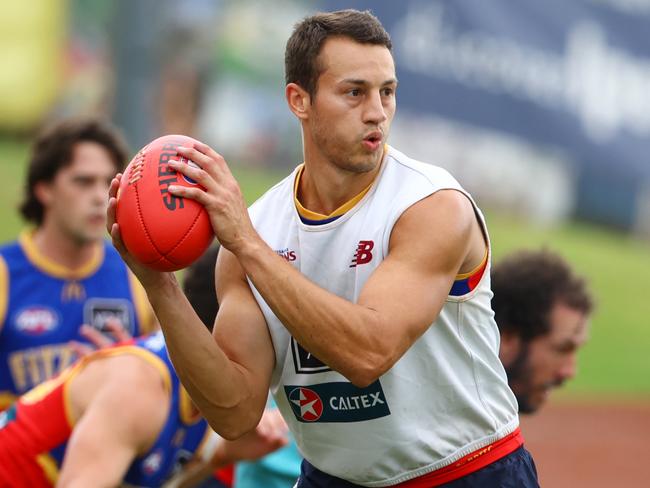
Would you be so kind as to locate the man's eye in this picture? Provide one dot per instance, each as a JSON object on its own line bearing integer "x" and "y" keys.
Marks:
{"x": 355, "y": 92}
{"x": 388, "y": 92}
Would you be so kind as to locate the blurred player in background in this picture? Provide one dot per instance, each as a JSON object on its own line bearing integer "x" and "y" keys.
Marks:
{"x": 542, "y": 309}
{"x": 62, "y": 274}
{"x": 119, "y": 414}
{"x": 356, "y": 289}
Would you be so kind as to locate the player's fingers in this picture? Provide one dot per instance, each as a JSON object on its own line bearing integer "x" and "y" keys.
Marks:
{"x": 114, "y": 231}
{"x": 111, "y": 212}
{"x": 117, "y": 330}
{"x": 207, "y": 150}
{"x": 213, "y": 164}
{"x": 195, "y": 173}
{"x": 192, "y": 193}
{"x": 114, "y": 186}
{"x": 80, "y": 350}
{"x": 95, "y": 337}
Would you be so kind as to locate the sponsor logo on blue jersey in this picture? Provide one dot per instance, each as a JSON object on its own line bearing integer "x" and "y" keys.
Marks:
{"x": 337, "y": 402}
{"x": 36, "y": 320}
{"x": 153, "y": 462}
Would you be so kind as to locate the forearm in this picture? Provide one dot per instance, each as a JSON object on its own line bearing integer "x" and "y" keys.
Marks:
{"x": 342, "y": 334}
{"x": 219, "y": 387}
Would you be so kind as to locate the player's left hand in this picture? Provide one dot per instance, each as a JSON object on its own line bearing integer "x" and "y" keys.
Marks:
{"x": 220, "y": 195}
{"x": 99, "y": 340}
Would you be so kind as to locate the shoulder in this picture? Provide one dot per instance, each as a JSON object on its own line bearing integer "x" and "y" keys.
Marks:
{"x": 277, "y": 193}
{"x": 11, "y": 251}
{"x": 413, "y": 169}
{"x": 436, "y": 229}
{"x": 130, "y": 376}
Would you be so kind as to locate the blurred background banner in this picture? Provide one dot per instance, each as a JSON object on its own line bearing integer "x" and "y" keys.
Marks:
{"x": 542, "y": 105}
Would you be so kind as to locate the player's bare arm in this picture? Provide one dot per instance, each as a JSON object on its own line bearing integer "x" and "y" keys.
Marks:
{"x": 230, "y": 383}
{"x": 399, "y": 302}
{"x": 107, "y": 436}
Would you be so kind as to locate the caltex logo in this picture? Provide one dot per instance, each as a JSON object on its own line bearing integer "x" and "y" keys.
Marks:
{"x": 306, "y": 403}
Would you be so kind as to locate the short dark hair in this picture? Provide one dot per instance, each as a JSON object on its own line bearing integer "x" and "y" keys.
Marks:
{"x": 199, "y": 286}
{"x": 304, "y": 45}
{"x": 52, "y": 150}
{"x": 527, "y": 285}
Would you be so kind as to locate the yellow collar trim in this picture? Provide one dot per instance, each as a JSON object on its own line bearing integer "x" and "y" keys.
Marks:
{"x": 45, "y": 264}
{"x": 308, "y": 214}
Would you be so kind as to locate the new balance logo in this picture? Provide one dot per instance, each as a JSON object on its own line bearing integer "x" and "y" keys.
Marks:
{"x": 363, "y": 254}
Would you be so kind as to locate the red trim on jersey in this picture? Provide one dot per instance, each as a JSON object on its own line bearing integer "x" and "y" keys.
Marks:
{"x": 468, "y": 464}
{"x": 39, "y": 426}
{"x": 474, "y": 279}
{"x": 226, "y": 475}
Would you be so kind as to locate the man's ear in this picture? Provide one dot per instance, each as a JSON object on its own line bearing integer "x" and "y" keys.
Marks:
{"x": 43, "y": 192}
{"x": 298, "y": 100}
{"x": 509, "y": 348}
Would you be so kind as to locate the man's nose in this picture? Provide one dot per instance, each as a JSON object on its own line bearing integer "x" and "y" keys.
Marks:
{"x": 568, "y": 368}
{"x": 374, "y": 112}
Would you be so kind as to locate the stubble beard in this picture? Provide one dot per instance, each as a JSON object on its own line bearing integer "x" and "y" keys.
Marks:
{"x": 343, "y": 154}
{"x": 519, "y": 374}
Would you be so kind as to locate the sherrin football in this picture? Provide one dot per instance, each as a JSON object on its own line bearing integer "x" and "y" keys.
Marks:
{"x": 161, "y": 230}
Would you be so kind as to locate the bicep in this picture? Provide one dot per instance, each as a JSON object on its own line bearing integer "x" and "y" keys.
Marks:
{"x": 427, "y": 247}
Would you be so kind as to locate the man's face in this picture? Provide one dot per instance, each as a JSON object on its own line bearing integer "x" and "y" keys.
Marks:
{"x": 76, "y": 199}
{"x": 547, "y": 361}
{"x": 351, "y": 112}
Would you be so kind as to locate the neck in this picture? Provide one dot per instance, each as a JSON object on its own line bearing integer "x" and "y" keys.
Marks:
{"x": 59, "y": 247}
{"x": 324, "y": 187}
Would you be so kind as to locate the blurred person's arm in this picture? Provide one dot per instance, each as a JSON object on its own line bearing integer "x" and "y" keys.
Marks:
{"x": 269, "y": 435}
{"x": 119, "y": 420}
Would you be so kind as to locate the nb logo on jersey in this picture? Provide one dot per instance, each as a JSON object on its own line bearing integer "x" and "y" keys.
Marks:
{"x": 363, "y": 255}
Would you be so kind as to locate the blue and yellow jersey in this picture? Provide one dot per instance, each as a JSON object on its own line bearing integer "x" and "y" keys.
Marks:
{"x": 43, "y": 304}
{"x": 35, "y": 430}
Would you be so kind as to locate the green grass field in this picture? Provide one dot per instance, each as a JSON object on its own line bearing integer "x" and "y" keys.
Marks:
{"x": 617, "y": 266}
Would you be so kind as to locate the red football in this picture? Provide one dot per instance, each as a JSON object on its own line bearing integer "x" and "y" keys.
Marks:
{"x": 161, "y": 230}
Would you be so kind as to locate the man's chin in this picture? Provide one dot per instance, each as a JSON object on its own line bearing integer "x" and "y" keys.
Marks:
{"x": 531, "y": 403}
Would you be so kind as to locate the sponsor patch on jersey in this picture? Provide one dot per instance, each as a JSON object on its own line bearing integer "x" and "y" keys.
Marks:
{"x": 153, "y": 462}
{"x": 286, "y": 253}
{"x": 337, "y": 402}
{"x": 304, "y": 361}
{"x": 36, "y": 320}
{"x": 98, "y": 311}
{"x": 363, "y": 253}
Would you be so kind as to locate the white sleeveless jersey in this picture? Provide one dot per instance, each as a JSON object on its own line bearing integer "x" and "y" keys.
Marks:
{"x": 446, "y": 397}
